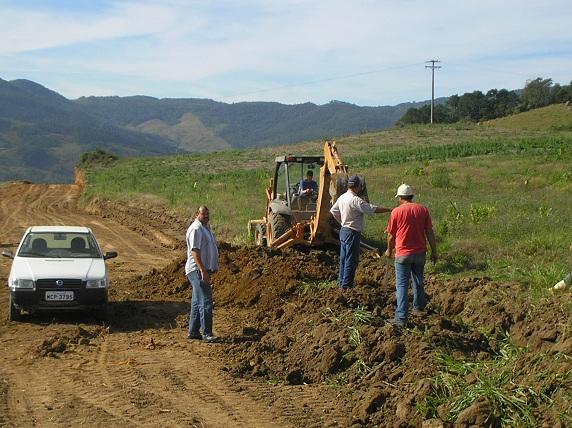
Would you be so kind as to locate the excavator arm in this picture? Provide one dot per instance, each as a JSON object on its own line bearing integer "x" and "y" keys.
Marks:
{"x": 333, "y": 182}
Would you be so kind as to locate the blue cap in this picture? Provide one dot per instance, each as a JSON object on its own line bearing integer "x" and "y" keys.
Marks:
{"x": 354, "y": 181}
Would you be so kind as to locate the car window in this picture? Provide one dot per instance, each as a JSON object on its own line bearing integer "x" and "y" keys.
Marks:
{"x": 59, "y": 245}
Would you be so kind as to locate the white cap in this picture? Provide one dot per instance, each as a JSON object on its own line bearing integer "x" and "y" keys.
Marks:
{"x": 404, "y": 190}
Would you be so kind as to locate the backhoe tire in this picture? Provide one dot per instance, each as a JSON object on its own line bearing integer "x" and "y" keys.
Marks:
{"x": 13, "y": 313}
{"x": 279, "y": 224}
{"x": 260, "y": 235}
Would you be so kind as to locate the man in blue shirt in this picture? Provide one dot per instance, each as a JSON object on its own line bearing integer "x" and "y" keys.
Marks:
{"x": 308, "y": 188}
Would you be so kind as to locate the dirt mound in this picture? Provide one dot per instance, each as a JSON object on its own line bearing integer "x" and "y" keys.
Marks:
{"x": 302, "y": 329}
{"x": 497, "y": 308}
{"x": 248, "y": 276}
{"x": 167, "y": 283}
{"x": 60, "y": 343}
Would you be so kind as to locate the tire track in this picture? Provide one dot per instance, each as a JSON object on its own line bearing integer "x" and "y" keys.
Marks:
{"x": 191, "y": 391}
{"x": 23, "y": 205}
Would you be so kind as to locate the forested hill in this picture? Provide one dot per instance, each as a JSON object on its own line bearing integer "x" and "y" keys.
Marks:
{"x": 43, "y": 134}
{"x": 245, "y": 124}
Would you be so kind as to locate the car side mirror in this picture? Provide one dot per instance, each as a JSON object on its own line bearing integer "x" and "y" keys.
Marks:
{"x": 8, "y": 254}
{"x": 110, "y": 255}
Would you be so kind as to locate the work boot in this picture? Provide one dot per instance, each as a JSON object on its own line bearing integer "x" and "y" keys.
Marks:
{"x": 209, "y": 338}
{"x": 397, "y": 323}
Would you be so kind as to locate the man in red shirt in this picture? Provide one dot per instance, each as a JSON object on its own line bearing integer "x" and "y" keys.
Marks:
{"x": 408, "y": 231}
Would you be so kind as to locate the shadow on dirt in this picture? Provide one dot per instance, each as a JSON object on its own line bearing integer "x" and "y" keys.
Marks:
{"x": 135, "y": 315}
{"x": 124, "y": 316}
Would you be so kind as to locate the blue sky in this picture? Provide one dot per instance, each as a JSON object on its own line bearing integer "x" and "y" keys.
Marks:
{"x": 367, "y": 52}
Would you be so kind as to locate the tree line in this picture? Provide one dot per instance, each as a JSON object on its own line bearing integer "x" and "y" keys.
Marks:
{"x": 476, "y": 106}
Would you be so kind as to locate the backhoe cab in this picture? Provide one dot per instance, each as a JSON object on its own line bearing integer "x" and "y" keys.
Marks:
{"x": 293, "y": 219}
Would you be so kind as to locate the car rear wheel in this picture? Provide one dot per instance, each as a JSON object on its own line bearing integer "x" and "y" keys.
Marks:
{"x": 14, "y": 314}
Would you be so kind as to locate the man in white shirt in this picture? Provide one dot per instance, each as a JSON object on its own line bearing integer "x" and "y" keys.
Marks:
{"x": 202, "y": 261}
{"x": 348, "y": 210}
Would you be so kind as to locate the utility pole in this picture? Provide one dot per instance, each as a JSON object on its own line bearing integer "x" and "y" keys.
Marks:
{"x": 432, "y": 67}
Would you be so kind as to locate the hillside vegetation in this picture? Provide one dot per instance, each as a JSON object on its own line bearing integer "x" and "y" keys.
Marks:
{"x": 499, "y": 196}
{"x": 477, "y": 106}
{"x": 557, "y": 117}
{"x": 43, "y": 134}
{"x": 245, "y": 124}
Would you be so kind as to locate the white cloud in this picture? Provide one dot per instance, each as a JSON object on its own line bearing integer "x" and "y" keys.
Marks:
{"x": 213, "y": 49}
{"x": 25, "y": 30}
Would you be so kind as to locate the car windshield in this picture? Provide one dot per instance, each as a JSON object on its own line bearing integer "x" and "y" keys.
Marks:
{"x": 59, "y": 245}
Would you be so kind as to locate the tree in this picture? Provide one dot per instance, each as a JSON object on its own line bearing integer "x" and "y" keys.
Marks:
{"x": 502, "y": 102}
{"x": 416, "y": 115}
{"x": 536, "y": 93}
{"x": 472, "y": 106}
{"x": 561, "y": 94}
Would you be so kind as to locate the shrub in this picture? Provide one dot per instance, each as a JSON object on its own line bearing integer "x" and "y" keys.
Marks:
{"x": 481, "y": 213}
{"x": 98, "y": 157}
{"x": 441, "y": 178}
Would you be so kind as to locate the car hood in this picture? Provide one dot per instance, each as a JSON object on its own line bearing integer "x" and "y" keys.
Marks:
{"x": 39, "y": 268}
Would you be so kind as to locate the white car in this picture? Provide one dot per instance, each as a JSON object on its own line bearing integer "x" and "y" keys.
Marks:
{"x": 58, "y": 268}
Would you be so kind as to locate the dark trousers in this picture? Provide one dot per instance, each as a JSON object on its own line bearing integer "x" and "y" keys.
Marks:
{"x": 349, "y": 256}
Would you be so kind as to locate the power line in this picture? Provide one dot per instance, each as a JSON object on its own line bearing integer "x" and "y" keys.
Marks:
{"x": 312, "y": 82}
{"x": 432, "y": 67}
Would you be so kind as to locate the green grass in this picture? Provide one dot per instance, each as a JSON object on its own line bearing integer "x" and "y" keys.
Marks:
{"x": 499, "y": 198}
{"x": 514, "y": 391}
{"x": 556, "y": 116}
{"x": 310, "y": 287}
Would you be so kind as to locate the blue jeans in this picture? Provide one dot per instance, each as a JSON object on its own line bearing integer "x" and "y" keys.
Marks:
{"x": 201, "y": 317}
{"x": 406, "y": 267}
{"x": 349, "y": 257}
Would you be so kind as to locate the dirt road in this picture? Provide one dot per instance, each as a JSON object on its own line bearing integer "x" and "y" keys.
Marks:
{"x": 68, "y": 370}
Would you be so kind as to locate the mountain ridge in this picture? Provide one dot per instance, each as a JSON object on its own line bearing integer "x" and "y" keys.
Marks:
{"x": 43, "y": 134}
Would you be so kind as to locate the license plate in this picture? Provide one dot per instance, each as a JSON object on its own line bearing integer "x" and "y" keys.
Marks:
{"x": 59, "y": 296}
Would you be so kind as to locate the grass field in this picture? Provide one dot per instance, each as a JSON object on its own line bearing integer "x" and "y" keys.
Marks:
{"x": 500, "y": 193}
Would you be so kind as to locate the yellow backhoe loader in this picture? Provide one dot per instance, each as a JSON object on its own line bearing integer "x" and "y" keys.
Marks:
{"x": 292, "y": 220}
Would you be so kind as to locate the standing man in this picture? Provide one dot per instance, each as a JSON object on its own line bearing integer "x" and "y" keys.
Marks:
{"x": 348, "y": 210}
{"x": 202, "y": 261}
{"x": 408, "y": 231}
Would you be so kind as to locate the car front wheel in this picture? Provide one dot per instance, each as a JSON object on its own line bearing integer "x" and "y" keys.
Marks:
{"x": 14, "y": 313}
